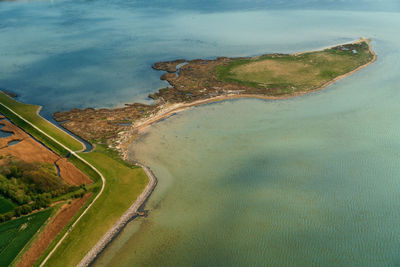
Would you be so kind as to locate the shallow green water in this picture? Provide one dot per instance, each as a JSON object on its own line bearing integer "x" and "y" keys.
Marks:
{"x": 310, "y": 181}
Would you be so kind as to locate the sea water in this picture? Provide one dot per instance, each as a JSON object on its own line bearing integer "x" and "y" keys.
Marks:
{"x": 67, "y": 54}
{"x": 311, "y": 181}
{"x": 308, "y": 181}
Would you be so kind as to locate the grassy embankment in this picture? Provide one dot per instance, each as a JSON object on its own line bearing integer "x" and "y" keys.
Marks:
{"x": 15, "y": 234}
{"x": 124, "y": 183}
{"x": 287, "y": 74}
{"x": 29, "y": 112}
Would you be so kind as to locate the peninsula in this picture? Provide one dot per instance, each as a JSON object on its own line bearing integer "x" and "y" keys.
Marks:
{"x": 195, "y": 82}
{"x": 112, "y": 190}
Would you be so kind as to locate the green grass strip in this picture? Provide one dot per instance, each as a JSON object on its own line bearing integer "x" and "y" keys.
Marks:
{"x": 15, "y": 234}
{"x": 123, "y": 185}
{"x": 29, "y": 112}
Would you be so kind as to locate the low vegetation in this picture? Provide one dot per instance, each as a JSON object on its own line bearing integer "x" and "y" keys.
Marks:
{"x": 28, "y": 186}
{"x": 271, "y": 75}
{"x": 6, "y": 205}
{"x": 16, "y": 233}
{"x": 285, "y": 74}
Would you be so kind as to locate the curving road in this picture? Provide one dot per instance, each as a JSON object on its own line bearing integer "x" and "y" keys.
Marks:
{"x": 79, "y": 157}
{"x": 122, "y": 221}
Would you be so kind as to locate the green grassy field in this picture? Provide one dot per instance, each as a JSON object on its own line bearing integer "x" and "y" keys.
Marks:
{"x": 286, "y": 74}
{"x": 14, "y": 235}
{"x": 29, "y": 113}
{"x": 123, "y": 185}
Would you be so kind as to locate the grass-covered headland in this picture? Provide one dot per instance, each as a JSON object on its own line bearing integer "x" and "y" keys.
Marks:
{"x": 198, "y": 81}
{"x": 279, "y": 74}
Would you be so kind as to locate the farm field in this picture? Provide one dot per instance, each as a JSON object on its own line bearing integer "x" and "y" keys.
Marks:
{"x": 14, "y": 235}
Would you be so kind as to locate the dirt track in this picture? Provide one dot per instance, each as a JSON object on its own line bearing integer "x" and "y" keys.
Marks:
{"x": 59, "y": 221}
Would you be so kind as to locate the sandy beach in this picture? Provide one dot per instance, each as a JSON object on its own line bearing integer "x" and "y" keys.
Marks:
{"x": 170, "y": 109}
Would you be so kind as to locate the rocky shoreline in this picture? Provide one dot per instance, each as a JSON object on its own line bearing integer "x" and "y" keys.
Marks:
{"x": 122, "y": 221}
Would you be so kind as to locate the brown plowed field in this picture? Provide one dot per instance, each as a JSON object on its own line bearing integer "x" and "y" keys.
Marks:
{"x": 59, "y": 221}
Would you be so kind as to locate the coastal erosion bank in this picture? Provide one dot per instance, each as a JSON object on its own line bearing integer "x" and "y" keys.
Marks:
{"x": 125, "y": 218}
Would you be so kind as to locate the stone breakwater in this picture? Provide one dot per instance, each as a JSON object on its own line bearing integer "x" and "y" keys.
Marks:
{"x": 120, "y": 224}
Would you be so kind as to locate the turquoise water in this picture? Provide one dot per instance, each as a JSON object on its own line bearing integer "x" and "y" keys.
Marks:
{"x": 310, "y": 181}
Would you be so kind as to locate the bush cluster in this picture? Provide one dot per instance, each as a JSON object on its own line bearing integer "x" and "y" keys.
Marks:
{"x": 29, "y": 185}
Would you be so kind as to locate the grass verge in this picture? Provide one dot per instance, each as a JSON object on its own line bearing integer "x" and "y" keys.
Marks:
{"x": 29, "y": 112}
{"x": 123, "y": 185}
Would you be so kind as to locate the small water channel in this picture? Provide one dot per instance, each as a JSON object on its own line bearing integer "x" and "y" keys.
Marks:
{"x": 13, "y": 142}
{"x": 4, "y": 134}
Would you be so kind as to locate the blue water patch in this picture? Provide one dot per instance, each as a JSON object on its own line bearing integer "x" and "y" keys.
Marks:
{"x": 81, "y": 54}
{"x": 13, "y": 142}
{"x": 4, "y": 133}
{"x": 57, "y": 169}
{"x": 178, "y": 68}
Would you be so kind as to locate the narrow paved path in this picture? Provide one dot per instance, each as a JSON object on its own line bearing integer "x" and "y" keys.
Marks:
{"x": 123, "y": 220}
{"x": 80, "y": 158}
